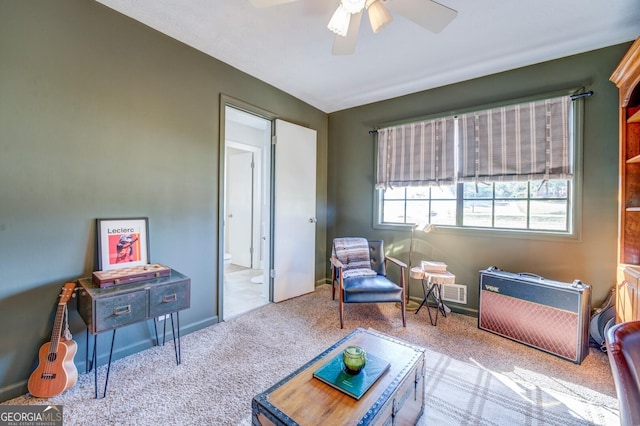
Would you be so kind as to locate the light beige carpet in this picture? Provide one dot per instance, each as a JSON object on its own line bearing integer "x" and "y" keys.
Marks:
{"x": 473, "y": 377}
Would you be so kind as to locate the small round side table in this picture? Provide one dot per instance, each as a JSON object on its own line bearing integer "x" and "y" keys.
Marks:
{"x": 432, "y": 283}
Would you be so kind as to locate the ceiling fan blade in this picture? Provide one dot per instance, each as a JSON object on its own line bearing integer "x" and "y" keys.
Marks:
{"x": 268, "y": 3}
{"x": 426, "y": 13}
{"x": 347, "y": 45}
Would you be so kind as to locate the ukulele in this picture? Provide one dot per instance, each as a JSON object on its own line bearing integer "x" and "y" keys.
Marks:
{"x": 56, "y": 371}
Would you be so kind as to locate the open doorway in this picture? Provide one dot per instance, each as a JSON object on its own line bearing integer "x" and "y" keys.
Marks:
{"x": 246, "y": 213}
{"x": 270, "y": 209}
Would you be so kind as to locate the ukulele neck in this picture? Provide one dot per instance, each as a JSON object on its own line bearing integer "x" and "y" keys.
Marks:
{"x": 57, "y": 328}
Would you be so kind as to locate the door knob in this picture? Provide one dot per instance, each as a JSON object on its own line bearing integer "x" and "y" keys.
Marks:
{"x": 313, "y": 220}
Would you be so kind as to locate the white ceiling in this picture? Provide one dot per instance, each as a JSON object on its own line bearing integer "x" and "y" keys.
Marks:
{"x": 289, "y": 46}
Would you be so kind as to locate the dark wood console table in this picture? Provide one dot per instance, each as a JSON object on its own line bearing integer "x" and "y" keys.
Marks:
{"x": 104, "y": 309}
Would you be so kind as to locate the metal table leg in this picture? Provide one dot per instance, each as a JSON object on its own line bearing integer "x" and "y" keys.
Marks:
{"x": 425, "y": 291}
{"x": 434, "y": 291}
{"x": 176, "y": 346}
{"x": 434, "y": 321}
{"x": 87, "y": 366}
{"x": 176, "y": 342}
{"x": 106, "y": 382}
{"x": 94, "y": 366}
{"x": 94, "y": 363}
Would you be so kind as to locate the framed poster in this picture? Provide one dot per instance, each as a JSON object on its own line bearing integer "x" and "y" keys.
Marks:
{"x": 122, "y": 242}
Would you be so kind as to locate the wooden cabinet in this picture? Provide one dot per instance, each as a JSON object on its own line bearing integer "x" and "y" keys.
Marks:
{"x": 627, "y": 78}
{"x": 628, "y": 295}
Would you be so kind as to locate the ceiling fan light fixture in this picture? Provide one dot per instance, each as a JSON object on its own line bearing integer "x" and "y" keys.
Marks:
{"x": 379, "y": 16}
{"x": 339, "y": 22}
{"x": 353, "y": 6}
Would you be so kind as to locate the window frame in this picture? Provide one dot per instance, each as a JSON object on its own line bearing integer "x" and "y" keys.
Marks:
{"x": 575, "y": 200}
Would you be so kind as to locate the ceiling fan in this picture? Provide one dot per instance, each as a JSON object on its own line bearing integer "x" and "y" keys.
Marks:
{"x": 345, "y": 22}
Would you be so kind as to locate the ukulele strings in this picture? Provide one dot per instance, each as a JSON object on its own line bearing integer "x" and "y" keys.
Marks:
{"x": 53, "y": 345}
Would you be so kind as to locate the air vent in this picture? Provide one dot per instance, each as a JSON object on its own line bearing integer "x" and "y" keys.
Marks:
{"x": 454, "y": 293}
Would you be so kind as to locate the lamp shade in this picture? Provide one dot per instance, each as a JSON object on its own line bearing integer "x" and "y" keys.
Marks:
{"x": 379, "y": 16}
{"x": 339, "y": 22}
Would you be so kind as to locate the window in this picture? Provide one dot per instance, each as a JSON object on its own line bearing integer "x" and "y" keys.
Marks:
{"x": 507, "y": 168}
{"x": 534, "y": 205}
{"x": 420, "y": 205}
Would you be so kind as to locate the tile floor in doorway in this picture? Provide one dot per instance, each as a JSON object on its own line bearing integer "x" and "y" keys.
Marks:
{"x": 240, "y": 293}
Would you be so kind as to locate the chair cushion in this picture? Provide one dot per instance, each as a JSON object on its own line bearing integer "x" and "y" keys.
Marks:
{"x": 353, "y": 253}
{"x": 371, "y": 290}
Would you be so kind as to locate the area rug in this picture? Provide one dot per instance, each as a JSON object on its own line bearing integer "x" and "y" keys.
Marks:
{"x": 459, "y": 393}
{"x": 472, "y": 377}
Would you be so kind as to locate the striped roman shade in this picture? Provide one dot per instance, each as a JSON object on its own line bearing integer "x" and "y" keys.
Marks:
{"x": 527, "y": 141}
{"x": 416, "y": 154}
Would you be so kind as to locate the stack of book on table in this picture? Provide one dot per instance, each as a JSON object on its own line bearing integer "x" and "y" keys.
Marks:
{"x": 433, "y": 266}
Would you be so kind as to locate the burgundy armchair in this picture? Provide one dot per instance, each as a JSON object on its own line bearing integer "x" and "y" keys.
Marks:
{"x": 623, "y": 349}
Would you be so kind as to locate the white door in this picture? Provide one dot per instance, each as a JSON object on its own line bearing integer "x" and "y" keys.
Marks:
{"x": 294, "y": 211}
{"x": 239, "y": 207}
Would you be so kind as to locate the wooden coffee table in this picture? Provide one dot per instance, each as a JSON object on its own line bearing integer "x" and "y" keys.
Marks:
{"x": 396, "y": 398}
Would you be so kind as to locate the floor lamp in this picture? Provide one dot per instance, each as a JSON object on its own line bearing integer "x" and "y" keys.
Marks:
{"x": 421, "y": 227}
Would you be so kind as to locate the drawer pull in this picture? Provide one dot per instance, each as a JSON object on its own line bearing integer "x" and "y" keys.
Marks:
{"x": 170, "y": 298}
{"x": 122, "y": 310}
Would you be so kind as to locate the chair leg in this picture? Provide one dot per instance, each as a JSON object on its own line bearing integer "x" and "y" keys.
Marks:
{"x": 341, "y": 296}
{"x": 333, "y": 283}
{"x": 404, "y": 299}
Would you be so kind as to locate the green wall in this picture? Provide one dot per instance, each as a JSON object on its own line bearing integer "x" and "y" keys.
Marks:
{"x": 103, "y": 117}
{"x": 591, "y": 259}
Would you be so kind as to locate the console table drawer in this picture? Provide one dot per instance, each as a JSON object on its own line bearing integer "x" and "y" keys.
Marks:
{"x": 118, "y": 311}
{"x": 110, "y": 308}
{"x": 168, "y": 298}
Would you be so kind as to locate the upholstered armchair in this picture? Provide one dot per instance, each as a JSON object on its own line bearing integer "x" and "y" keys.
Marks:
{"x": 623, "y": 350}
{"x": 359, "y": 270}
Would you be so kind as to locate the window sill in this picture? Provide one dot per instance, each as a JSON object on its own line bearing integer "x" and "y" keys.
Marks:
{"x": 489, "y": 232}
